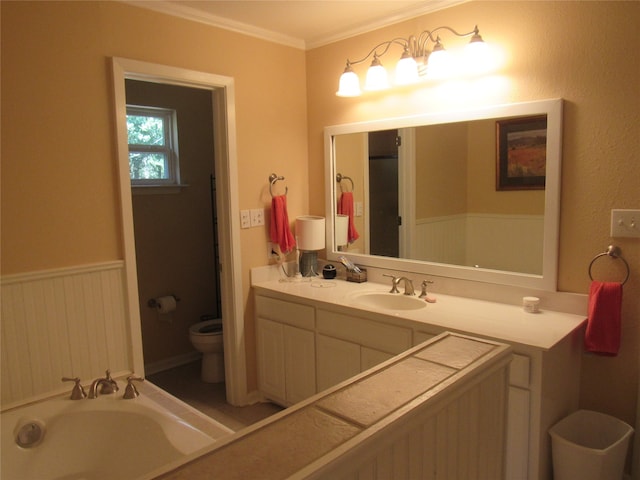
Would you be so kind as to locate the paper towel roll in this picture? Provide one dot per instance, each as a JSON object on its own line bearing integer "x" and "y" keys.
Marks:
{"x": 166, "y": 304}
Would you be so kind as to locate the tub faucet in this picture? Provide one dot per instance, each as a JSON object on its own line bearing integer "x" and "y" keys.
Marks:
{"x": 106, "y": 385}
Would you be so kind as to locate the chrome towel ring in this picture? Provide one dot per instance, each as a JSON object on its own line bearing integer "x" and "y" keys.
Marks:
{"x": 613, "y": 252}
{"x": 340, "y": 178}
{"x": 273, "y": 178}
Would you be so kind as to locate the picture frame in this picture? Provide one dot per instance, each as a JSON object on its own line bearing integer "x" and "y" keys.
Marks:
{"x": 521, "y": 146}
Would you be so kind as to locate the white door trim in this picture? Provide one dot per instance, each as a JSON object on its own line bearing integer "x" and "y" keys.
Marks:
{"x": 226, "y": 168}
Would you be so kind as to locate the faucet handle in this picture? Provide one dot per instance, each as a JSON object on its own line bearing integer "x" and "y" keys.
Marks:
{"x": 424, "y": 287}
{"x": 77, "y": 393}
{"x": 394, "y": 282}
{"x": 130, "y": 390}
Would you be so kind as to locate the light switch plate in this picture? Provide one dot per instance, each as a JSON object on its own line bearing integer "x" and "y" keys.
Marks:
{"x": 245, "y": 218}
{"x": 257, "y": 217}
{"x": 625, "y": 223}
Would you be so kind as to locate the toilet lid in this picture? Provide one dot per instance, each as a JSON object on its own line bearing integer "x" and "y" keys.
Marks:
{"x": 208, "y": 327}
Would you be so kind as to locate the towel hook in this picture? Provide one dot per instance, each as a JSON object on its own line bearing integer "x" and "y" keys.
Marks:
{"x": 340, "y": 178}
{"x": 273, "y": 178}
{"x": 613, "y": 252}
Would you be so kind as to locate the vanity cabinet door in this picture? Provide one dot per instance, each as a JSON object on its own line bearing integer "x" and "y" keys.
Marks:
{"x": 286, "y": 362}
{"x": 270, "y": 349}
{"x": 517, "y": 457}
{"x": 370, "y": 358}
{"x": 338, "y": 360}
{"x": 299, "y": 364}
{"x": 519, "y": 415}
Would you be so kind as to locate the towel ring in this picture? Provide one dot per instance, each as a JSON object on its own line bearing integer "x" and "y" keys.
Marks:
{"x": 340, "y": 178}
{"x": 614, "y": 252}
{"x": 273, "y": 178}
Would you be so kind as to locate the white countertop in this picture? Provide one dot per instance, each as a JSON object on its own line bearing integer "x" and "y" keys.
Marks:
{"x": 499, "y": 321}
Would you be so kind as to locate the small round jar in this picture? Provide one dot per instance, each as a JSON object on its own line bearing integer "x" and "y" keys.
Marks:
{"x": 329, "y": 272}
{"x": 531, "y": 304}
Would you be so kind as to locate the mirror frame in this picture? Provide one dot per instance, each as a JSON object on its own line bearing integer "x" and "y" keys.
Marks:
{"x": 547, "y": 280}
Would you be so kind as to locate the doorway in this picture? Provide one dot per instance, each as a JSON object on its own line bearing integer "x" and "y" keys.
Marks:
{"x": 175, "y": 234}
{"x": 385, "y": 219}
{"x": 222, "y": 92}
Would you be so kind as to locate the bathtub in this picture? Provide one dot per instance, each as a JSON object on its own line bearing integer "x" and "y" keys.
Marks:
{"x": 99, "y": 439}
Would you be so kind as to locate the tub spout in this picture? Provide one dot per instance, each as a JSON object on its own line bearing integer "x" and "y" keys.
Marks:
{"x": 103, "y": 386}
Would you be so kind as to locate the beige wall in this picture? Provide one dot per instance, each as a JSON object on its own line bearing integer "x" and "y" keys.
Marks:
{"x": 351, "y": 150}
{"x": 59, "y": 190}
{"x": 579, "y": 51}
{"x": 60, "y": 202}
{"x": 441, "y": 166}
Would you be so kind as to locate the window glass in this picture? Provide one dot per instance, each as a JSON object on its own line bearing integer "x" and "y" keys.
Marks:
{"x": 153, "y": 158}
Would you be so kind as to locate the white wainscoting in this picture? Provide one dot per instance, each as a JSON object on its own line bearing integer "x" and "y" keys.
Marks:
{"x": 499, "y": 242}
{"x": 67, "y": 322}
{"x": 442, "y": 239}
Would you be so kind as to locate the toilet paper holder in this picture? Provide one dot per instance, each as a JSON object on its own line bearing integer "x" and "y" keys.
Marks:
{"x": 153, "y": 303}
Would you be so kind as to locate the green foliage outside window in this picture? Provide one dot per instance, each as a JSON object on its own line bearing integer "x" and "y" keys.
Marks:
{"x": 150, "y": 149}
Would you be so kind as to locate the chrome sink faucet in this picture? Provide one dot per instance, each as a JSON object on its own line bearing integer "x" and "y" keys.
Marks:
{"x": 408, "y": 284}
{"x": 103, "y": 386}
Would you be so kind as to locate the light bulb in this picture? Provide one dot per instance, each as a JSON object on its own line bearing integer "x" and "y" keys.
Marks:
{"x": 439, "y": 63}
{"x": 477, "y": 56}
{"x": 377, "y": 78}
{"x": 349, "y": 83}
{"x": 406, "y": 70}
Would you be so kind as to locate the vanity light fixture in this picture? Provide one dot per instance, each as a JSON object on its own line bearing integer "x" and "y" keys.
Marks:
{"x": 415, "y": 63}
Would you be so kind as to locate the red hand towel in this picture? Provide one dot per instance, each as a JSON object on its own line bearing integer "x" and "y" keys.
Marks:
{"x": 345, "y": 207}
{"x": 280, "y": 232}
{"x": 604, "y": 322}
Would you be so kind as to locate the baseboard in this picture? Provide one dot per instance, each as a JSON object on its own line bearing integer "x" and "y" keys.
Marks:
{"x": 172, "y": 362}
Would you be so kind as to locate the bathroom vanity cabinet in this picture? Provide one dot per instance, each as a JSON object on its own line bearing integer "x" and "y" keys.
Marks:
{"x": 310, "y": 339}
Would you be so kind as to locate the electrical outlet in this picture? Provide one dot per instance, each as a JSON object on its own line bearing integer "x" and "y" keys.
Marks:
{"x": 257, "y": 217}
{"x": 625, "y": 223}
{"x": 245, "y": 218}
{"x": 358, "y": 209}
{"x": 271, "y": 252}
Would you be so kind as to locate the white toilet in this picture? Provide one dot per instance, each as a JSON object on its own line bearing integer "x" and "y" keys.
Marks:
{"x": 206, "y": 337}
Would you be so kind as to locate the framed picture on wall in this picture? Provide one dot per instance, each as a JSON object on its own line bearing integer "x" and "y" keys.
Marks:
{"x": 521, "y": 146}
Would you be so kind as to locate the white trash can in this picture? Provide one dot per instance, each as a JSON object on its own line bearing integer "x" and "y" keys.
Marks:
{"x": 589, "y": 445}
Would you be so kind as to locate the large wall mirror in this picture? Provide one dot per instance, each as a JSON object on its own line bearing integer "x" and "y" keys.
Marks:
{"x": 468, "y": 194}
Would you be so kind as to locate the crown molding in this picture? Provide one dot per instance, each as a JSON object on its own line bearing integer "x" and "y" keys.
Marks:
{"x": 429, "y": 7}
{"x": 197, "y": 15}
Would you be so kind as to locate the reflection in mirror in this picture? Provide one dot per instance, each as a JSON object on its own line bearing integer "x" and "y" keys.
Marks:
{"x": 429, "y": 192}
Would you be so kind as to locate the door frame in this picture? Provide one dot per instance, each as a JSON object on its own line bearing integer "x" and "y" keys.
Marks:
{"x": 228, "y": 213}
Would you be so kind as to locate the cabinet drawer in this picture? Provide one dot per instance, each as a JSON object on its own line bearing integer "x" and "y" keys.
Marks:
{"x": 387, "y": 338}
{"x": 519, "y": 371}
{"x": 285, "y": 312}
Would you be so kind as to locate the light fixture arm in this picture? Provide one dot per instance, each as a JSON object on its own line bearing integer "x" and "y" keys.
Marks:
{"x": 374, "y": 51}
{"x": 419, "y": 46}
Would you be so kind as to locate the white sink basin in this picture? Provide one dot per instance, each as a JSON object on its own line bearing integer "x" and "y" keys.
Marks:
{"x": 389, "y": 301}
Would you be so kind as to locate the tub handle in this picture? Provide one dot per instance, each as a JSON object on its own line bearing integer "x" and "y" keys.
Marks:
{"x": 130, "y": 390}
{"x": 77, "y": 393}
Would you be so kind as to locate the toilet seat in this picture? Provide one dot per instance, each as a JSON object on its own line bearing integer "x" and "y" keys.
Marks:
{"x": 207, "y": 328}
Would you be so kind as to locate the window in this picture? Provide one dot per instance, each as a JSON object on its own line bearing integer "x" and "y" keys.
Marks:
{"x": 153, "y": 146}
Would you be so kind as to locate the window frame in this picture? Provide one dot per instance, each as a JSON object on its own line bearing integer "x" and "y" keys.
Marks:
{"x": 170, "y": 149}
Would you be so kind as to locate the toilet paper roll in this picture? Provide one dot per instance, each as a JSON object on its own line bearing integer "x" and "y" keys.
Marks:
{"x": 166, "y": 304}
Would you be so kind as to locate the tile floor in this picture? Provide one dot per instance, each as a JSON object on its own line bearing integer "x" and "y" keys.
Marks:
{"x": 184, "y": 383}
